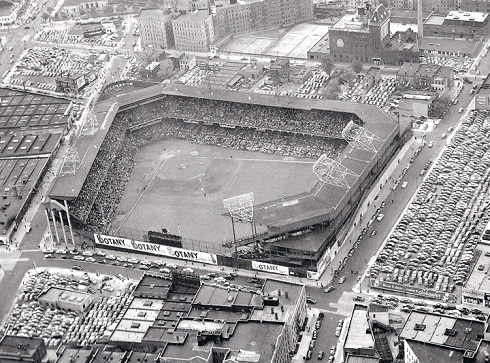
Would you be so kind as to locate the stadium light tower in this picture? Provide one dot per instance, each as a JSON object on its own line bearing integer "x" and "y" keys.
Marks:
{"x": 70, "y": 162}
{"x": 332, "y": 172}
{"x": 90, "y": 126}
{"x": 241, "y": 210}
{"x": 360, "y": 138}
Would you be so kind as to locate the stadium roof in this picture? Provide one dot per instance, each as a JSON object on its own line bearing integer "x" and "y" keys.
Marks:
{"x": 69, "y": 186}
{"x": 87, "y": 147}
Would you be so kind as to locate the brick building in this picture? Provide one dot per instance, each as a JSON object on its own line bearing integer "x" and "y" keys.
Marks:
{"x": 365, "y": 36}
{"x": 194, "y": 32}
{"x": 235, "y": 18}
{"x": 457, "y": 24}
{"x": 156, "y": 29}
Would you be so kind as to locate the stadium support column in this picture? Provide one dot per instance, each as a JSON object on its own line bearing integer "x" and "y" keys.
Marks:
{"x": 234, "y": 239}
{"x": 62, "y": 225}
{"x": 55, "y": 228}
{"x": 420, "y": 19}
{"x": 49, "y": 225}
{"x": 69, "y": 222}
{"x": 240, "y": 209}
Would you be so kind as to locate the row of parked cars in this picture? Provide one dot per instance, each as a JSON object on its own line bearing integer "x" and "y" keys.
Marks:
{"x": 407, "y": 305}
{"x": 433, "y": 243}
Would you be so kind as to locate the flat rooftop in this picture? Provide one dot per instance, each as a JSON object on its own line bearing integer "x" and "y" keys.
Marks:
{"x": 32, "y": 111}
{"x": 431, "y": 328}
{"x": 466, "y": 46}
{"x": 322, "y": 46}
{"x": 11, "y": 344}
{"x": 350, "y": 22}
{"x": 55, "y": 294}
{"x": 357, "y": 336}
{"x": 435, "y": 20}
{"x": 435, "y": 354}
{"x": 467, "y": 16}
{"x": 74, "y": 355}
{"x": 478, "y": 279}
{"x": 223, "y": 297}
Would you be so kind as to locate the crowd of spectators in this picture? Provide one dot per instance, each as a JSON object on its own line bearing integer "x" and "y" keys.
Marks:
{"x": 318, "y": 122}
{"x": 273, "y": 130}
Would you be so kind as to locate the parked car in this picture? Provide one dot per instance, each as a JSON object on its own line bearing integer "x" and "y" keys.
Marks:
{"x": 329, "y": 289}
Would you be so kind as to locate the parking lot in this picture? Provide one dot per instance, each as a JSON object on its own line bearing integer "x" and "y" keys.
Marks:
{"x": 433, "y": 244}
{"x": 39, "y": 67}
{"x": 381, "y": 94}
{"x": 55, "y": 326}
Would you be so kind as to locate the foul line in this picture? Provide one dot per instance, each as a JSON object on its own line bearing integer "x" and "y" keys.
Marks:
{"x": 141, "y": 195}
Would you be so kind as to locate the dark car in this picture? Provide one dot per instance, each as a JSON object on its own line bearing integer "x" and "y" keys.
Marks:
{"x": 476, "y": 311}
{"x": 320, "y": 355}
{"x": 310, "y": 300}
{"x": 359, "y": 298}
{"x": 308, "y": 354}
{"x": 481, "y": 317}
{"x": 77, "y": 268}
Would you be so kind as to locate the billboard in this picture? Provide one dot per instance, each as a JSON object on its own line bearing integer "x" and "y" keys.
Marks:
{"x": 411, "y": 290}
{"x": 154, "y": 249}
{"x": 267, "y": 267}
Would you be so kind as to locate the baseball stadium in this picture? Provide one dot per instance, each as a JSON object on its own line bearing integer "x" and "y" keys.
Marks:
{"x": 248, "y": 177}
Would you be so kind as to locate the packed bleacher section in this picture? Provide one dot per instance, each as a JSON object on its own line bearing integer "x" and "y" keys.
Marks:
{"x": 318, "y": 122}
{"x": 258, "y": 128}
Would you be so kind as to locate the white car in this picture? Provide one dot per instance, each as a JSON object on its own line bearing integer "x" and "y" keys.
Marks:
{"x": 188, "y": 269}
{"x": 171, "y": 265}
{"x": 380, "y": 217}
{"x": 133, "y": 260}
{"x": 404, "y": 185}
{"x": 430, "y": 144}
{"x": 110, "y": 257}
{"x": 164, "y": 271}
{"x": 79, "y": 258}
{"x": 108, "y": 288}
{"x": 100, "y": 253}
{"x": 90, "y": 259}
{"x": 88, "y": 253}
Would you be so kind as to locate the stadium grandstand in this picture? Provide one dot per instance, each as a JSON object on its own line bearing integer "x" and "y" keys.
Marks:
{"x": 353, "y": 147}
{"x": 32, "y": 127}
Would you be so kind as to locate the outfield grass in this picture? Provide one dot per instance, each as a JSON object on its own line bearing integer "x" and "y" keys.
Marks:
{"x": 181, "y": 186}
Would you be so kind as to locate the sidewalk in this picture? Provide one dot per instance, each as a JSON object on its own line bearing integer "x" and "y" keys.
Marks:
{"x": 367, "y": 209}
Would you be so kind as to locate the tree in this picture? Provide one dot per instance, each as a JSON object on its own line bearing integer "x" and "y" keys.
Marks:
{"x": 356, "y": 67}
{"x": 328, "y": 65}
{"x": 331, "y": 90}
{"x": 440, "y": 107}
{"x": 108, "y": 9}
{"x": 347, "y": 77}
{"x": 166, "y": 69}
{"x": 121, "y": 8}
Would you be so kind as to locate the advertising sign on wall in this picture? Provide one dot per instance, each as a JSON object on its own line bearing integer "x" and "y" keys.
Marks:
{"x": 267, "y": 267}
{"x": 153, "y": 248}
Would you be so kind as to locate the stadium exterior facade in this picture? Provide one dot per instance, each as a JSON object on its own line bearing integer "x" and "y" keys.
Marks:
{"x": 303, "y": 231}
